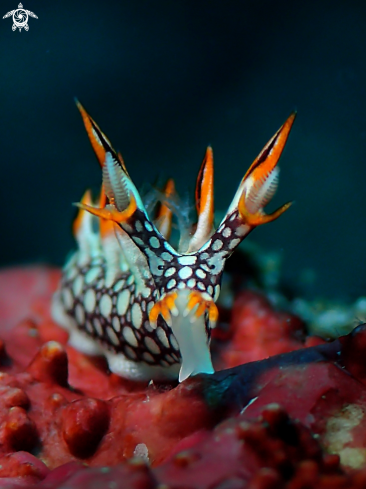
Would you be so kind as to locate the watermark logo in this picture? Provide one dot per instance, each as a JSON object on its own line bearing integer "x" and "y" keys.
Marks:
{"x": 20, "y": 18}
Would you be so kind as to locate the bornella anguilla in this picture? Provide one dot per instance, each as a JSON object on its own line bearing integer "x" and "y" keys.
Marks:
{"x": 127, "y": 293}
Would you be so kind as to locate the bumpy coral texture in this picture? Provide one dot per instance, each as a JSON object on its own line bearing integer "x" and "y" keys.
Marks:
{"x": 293, "y": 418}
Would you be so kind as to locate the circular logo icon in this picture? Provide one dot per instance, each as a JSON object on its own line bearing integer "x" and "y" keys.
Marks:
{"x": 20, "y": 18}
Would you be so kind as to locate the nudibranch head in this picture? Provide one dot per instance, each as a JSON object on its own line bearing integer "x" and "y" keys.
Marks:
{"x": 128, "y": 293}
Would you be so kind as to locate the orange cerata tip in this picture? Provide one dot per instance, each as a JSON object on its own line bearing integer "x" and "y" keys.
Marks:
{"x": 111, "y": 214}
{"x": 86, "y": 200}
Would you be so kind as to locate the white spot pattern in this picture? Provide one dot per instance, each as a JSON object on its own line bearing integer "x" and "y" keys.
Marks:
{"x": 90, "y": 300}
{"x": 138, "y": 226}
{"x": 138, "y": 241}
{"x": 187, "y": 260}
{"x": 98, "y": 327}
{"x": 217, "y": 245}
{"x": 129, "y": 336}
{"x": 77, "y": 286}
{"x": 191, "y": 282}
{"x": 67, "y": 298}
{"x": 79, "y": 314}
{"x": 130, "y": 353}
{"x": 122, "y": 302}
{"x": 152, "y": 345}
{"x": 105, "y": 305}
{"x": 241, "y": 230}
{"x": 200, "y": 273}
{"x": 116, "y": 323}
{"x": 146, "y": 292}
{"x": 112, "y": 336}
{"x": 162, "y": 337}
{"x": 148, "y": 226}
{"x": 217, "y": 292}
{"x": 171, "y": 271}
{"x": 174, "y": 342}
{"x": 71, "y": 273}
{"x": 147, "y": 357}
{"x": 234, "y": 243}
{"x": 185, "y": 272}
{"x": 119, "y": 285}
{"x": 166, "y": 256}
{"x": 136, "y": 315}
{"x": 92, "y": 275}
{"x": 154, "y": 242}
{"x": 89, "y": 327}
{"x": 150, "y": 306}
{"x": 171, "y": 284}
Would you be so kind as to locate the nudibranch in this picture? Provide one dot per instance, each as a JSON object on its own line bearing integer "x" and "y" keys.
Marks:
{"x": 127, "y": 293}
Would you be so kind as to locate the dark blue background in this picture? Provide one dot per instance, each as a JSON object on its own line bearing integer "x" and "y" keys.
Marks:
{"x": 164, "y": 79}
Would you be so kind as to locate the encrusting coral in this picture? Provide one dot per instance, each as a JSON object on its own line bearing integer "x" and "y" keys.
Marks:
{"x": 293, "y": 420}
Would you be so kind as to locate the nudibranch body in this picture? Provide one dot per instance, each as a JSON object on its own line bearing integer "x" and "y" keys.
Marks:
{"x": 128, "y": 294}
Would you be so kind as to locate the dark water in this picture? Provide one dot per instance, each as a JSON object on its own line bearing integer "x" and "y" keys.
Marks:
{"x": 166, "y": 78}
